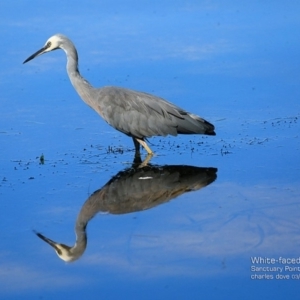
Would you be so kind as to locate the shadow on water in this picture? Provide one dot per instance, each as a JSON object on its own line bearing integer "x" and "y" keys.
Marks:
{"x": 131, "y": 190}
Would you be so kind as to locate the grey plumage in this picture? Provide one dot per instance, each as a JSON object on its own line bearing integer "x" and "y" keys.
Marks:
{"x": 136, "y": 114}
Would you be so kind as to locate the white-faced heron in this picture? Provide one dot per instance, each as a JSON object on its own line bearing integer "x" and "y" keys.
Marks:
{"x": 136, "y": 114}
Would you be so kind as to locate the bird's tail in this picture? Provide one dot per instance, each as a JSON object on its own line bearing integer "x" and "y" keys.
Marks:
{"x": 193, "y": 124}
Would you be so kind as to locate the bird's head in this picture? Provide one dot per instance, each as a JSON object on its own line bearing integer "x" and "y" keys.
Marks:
{"x": 64, "y": 252}
{"x": 53, "y": 43}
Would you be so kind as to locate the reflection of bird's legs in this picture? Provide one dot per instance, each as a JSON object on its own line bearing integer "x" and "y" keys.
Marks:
{"x": 138, "y": 163}
{"x": 138, "y": 142}
{"x": 145, "y": 161}
{"x": 137, "y": 158}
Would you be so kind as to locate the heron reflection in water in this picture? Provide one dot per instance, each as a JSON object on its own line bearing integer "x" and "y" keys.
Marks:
{"x": 131, "y": 190}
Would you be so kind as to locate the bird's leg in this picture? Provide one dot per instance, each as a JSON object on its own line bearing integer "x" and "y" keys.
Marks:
{"x": 137, "y": 156}
{"x": 143, "y": 143}
{"x": 137, "y": 147}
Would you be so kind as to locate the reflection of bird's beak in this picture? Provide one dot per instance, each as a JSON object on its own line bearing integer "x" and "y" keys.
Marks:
{"x": 48, "y": 241}
{"x": 41, "y": 51}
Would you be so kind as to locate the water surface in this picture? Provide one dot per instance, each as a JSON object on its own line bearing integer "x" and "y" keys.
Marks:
{"x": 235, "y": 65}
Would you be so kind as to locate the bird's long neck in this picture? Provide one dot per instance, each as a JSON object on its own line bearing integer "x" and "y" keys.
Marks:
{"x": 83, "y": 87}
{"x": 73, "y": 253}
{"x": 81, "y": 240}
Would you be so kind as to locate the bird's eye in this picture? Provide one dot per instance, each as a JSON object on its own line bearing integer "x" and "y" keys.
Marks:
{"x": 48, "y": 44}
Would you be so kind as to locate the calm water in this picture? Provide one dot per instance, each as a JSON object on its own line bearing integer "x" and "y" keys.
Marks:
{"x": 207, "y": 230}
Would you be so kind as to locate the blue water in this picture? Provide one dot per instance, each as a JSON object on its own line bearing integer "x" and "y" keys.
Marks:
{"x": 236, "y": 65}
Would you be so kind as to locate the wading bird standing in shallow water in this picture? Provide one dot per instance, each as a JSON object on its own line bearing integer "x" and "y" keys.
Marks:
{"x": 136, "y": 114}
